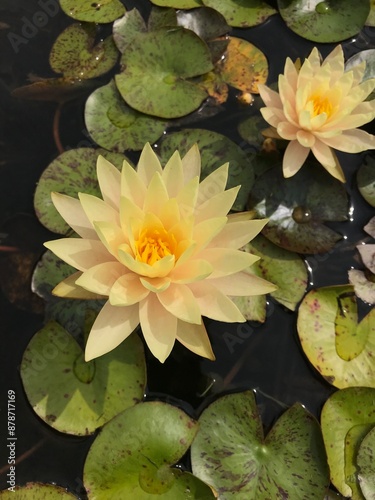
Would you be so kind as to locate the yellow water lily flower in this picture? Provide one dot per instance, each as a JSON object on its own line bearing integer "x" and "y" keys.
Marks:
{"x": 319, "y": 107}
{"x": 163, "y": 249}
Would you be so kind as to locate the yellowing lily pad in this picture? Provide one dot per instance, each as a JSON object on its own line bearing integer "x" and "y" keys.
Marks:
{"x": 117, "y": 127}
{"x": 231, "y": 453}
{"x": 36, "y": 491}
{"x": 75, "y": 56}
{"x": 157, "y": 68}
{"x": 103, "y": 11}
{"x": 366, "y": 180}
{"x": 71, "y": 172}
{"x": 370, "y": 21}
{"x": 215, "y": 150}
{"x": 242, "y": 13}
{"x": 339, "y": 348}
{"x": 366, "y": 465}
{"x": 324, "y": 21}
{"x": 296, "y": 216}
{"x": 74, "y": 396}
{"x": 347, "y": 416}
{"x": 134, "y": 454}
{"x": 178, "y": 4}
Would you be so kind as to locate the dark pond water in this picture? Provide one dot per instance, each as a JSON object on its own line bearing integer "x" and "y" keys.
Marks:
{"x": 265, "y": 357}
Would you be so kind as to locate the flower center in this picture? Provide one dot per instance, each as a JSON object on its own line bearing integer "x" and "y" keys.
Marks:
{"x": 321, "y": 105}
{"x": 153, "y": 244}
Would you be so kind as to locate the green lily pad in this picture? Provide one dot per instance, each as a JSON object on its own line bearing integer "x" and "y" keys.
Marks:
{"x": 231, "y": 453}
{"x": 157, "y": 67}
{"x": 347, "y": 416}
{"x": 215, "y": 150}
{"x": 366, "y": 180}
{"x": 53, "y": 89}
{"x": 133, "y": 455}
{"x": 363, "y": 287}
{"x": 365, "y": 461}
{"x": 75, "y": 56}
{"x": 127, "y": 28}
{"x": 339, "y": 348}
{"x": 296, "y": 215}
{"x": 161, "y": 17}
{"x": 242, "y": 13}
{"x": 104, "y": 11}
{"x": 72, "y": 172}
{"x": 283, "y": 268}
{"x": 178, "y": 4}
{"x": 251, "y": 131}
{"x": 117, "y": 127}
{"x": 207, "y": 23}
{"x": 36, "y": 491}
{"x": 370, "y": 21}
{"x": 74, "y": 396}
{"x": 327, "y": 21}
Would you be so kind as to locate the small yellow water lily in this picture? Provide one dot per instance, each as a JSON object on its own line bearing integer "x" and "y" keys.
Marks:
{"x": 162, "y": 248}
{"x": 319, "y": 107}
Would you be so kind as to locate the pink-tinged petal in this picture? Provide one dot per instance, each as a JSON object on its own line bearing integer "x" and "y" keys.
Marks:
{"x": 72, "y": 212}
{"x": 294, "y": 157}
{"x": 190, "y": 271}
{"x": 236, "y": 234}
{"x": 302, "y": 98}
{"x": 314, "y": 59}
{"x": 132, "y": 186}
{"x": 69, "y": 290}
{"x": 109, "y": 178}
{"x": 97, "y": 209}
{"x": 328, "y": 159}
{"x": 227, "y": 261}
{"x": 306, "y": 139}
{"x": 111, "y": 235}
{"x": 187, "y": 197}
{"x": 291, "y": 73}
{"x": 242, "y": 284}
{"x": 195, "y": 338}
{"x": 160, "y": 269}
{"x": 269, "y": 96}
{"x": 291, "y": 113}
{"x": 112, "y": 326}
{"x": 306, "y": 73}
{"x": 287, "y": 131}
{"x": 272, "y": 116}
{"x": 213, "y": 184}
{"x": 217, "y": 206}
{"x": 287, "y": 92}
{"x": 191, "y": 164}
{"x": 127, "y": 290}
{"x": 155, "y": 285}
{"x": 79, "y": 253}
{"x": 99, "y": 279}
{"x": 214, "y": 304}
{"x": 148, "y": 164}
{"x": 173, "y": 176}
{"x": 205, "y": 231}
{"x": 351, "y": 141}
{"x": 159, "y": 327}
{"x": 180, "y": 301}
{"x": 156, "y": 195}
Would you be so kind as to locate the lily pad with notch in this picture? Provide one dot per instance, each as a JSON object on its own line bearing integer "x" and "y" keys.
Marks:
{"x": 207, "y": 23}
{"x": 158, "y": 68}
{"x": 339, "y": 347}
{"x": 242, "y": 13}
{"x": 37, "y": 491}
{"x": 296, "y": 216}
{"x": 365, "y": 462}
{"x": 232, "y": 454}
{"x": 134, "y": 454}
{"x": 103, "y": 11}
{"x": 127, "y": 28}
{"x": 366, "y": 180}
{"x": 74, "y": 396}
{"x": 324, "y": 21}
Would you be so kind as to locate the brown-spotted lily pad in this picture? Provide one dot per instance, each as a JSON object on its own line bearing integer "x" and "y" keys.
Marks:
{"x": 347, "y": 416}
{"x": 242, "y": 13}
{"x": 207, "y": 23}
{"x": 366, "y": 465}
{"x": 103, "y": 11}
{"x": 366, "y": 180}
{"x": 74, "y": 396}
{"x": 133, "y": 456}
{"x": 72, "y": 172}
{"x": 75, "y": 55}
{"x": 128, "y": 27}
{"x": 215, "y": 150}
{"x": 231, "y": 453}
{"x": 178, "y": 4}
{"x": 157, "y": 71}
{"x": 324, "y": 21}
{"x": 339, "y": 347}
{"x": 36, "y": 491}
{"x": 116, "y": 126}
{"x": 296, "y": 216}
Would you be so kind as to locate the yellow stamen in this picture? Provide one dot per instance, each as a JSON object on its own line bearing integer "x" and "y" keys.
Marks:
{"x": 153, "y": 244}
{"x": 321, "y": 104}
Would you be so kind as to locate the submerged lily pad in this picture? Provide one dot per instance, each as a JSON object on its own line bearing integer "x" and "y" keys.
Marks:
{"x": 347, "y": 416}
{"x": 72, "y": 172}
{"x": 231, "y": 453}
{"x": 339, "y": 348}
{"x": 117, "y": 127}
{"x": 366, "y": 465}
{"x": 157, "y": 67}
{"x": 366, "y": 180}
{"x": 103, "y": 11}
{"x": 215, "y": 150}
{"x": 207, "y": 23}
{"x": 161, "y": 17}
{"x": 75, "y": 56}
{"x": 53, "y": 89}
{"x": 75, "y": 396}
{"x": 327, "y": 21}
{"x": 36, "y": 491}
{"x": 296, "y": 216}
{"x": 242, "y": 13}
{"x": 133, "y": 456}
{"x": 178, "y": 4}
